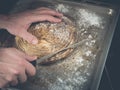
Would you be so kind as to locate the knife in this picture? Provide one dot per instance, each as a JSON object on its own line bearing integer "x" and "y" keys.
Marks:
{"x": 72, "y": 46}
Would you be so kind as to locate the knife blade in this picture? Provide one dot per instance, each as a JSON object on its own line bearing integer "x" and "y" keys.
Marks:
{"x": 72, "y": 46}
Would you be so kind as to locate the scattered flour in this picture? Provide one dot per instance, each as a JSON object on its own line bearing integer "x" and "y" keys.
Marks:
{"x": 89, "y": 17}
{"x": 62, "y": 8}
{"x": 75, "y": 72}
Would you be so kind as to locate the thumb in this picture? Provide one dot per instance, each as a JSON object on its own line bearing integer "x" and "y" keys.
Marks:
{"x": 29, "y": 37}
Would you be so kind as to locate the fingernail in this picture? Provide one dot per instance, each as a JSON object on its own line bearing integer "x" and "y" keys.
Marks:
{"x": 34, "y": 41}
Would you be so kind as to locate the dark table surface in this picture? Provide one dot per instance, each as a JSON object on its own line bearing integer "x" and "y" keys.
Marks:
{"x": 111, "y": 77}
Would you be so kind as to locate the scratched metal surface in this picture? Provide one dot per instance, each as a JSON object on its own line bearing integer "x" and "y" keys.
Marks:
{"x": 80, "y": 70}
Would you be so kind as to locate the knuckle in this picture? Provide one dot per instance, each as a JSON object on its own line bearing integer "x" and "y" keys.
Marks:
{"x": 21, "y": 63}
{"x": 16, "y": 72}
{"x": 9, "y": 78}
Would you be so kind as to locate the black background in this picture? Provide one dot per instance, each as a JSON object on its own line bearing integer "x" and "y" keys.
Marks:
{"x": 111, "y": 76}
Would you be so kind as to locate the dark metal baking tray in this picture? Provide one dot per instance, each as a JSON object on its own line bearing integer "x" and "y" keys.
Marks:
{"x": 82, "y": 70}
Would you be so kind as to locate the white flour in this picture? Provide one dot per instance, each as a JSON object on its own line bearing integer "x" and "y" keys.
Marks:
{"x": 89, "y": 17}
{"x": 75, "y": 72}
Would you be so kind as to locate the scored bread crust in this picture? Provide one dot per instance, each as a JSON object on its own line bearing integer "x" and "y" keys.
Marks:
{"x": 52, "y": 37}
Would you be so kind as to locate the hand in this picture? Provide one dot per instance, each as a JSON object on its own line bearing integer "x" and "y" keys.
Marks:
{"x": 14, "y": 66}
{"x": 17, "y": 24}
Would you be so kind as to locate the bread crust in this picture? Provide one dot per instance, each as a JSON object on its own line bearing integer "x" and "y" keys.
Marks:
{"x": 51, "y": 38}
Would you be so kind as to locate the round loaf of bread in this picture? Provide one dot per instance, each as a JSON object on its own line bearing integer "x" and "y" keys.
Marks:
{"x": 52, "y": 37}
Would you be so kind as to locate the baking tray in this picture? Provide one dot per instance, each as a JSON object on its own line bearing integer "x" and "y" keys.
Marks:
{"x": 82, "y": 70}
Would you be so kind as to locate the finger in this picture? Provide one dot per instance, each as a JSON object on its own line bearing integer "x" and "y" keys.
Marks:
{"x": 14, "y": 81}
{"x": 23, "y": 56}
{"x": 30, "y": 58}
{"x": 28, "y": 37}
{"x": 11, "y": 72}
{"x": 49, "y": 12}
{"x": 30, "y": 69}
{"x": 22, "y": 77}
{"x": 43, "y": 8}
{"x": 45, "y": 18}
{"x": 16, "y": 73}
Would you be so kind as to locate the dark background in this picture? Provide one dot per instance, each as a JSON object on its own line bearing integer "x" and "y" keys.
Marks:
{"x": 111, "y": 74}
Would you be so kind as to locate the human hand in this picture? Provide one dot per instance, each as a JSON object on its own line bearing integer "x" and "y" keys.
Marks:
{"x": 15, "y": 66}
{"x": 17, "y": 24}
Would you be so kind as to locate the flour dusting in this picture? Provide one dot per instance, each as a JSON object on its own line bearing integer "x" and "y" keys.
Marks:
{"x": 75, "y": 72}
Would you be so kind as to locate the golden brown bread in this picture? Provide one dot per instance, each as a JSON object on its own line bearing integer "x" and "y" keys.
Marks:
{"x": 52, "y": 37}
